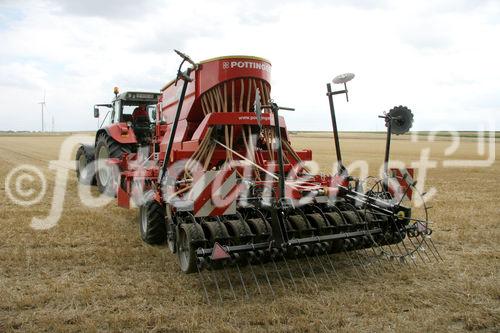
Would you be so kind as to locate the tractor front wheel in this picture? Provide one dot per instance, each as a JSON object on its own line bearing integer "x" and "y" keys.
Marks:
{"x": 107, "y": 175}
{"x": 84, "y": 175}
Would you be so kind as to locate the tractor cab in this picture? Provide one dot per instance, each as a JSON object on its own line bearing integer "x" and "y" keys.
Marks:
{"x": 137, "y": 110}
{"x": 127, "y": 126}
{"x": 131, "y": 109}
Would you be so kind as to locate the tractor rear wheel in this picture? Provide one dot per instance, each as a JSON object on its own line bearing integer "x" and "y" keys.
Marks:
{"x": 107, "y": 174}
{"x": 83, "y": 174}
{"x": 152, "y": 223}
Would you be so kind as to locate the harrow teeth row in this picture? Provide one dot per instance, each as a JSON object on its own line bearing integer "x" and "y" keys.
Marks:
{"x": 369, "y": 241}
{"x": 314, "y": 272}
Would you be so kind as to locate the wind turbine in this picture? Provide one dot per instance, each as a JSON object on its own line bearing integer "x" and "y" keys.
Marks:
{"x": 43, "y": 105}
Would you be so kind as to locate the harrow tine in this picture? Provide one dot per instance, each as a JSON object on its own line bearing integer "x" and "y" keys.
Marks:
{"x": 371, "y": 261}
{"x": 228, "y": 280}
{"x": 393, "y": 254}
{"x": 423, "y": 249}
{"x": 377, "y": 256}
{"x": 255, "y": 279}
{"x": 266, "y": 275}
{"x": 352, "y": 264}
{"x": 360, "y": 261}
{"x": 402, "y": 257}
{"x": 427, "y": 246}
{"x": 242, "y": 282}
{"x": 435, "y": 248}
{"x": 416, "y": 250}
{"x": 399, "y": 258}
{"x": 302, "y": 271}
{"x": 202, "y": 280}
{"x": 362, "y": 255}
{"x": 391, "y": 257}
{"x": 322, "y": 266}
{"x": 217, "y": 286}
{"x": 290, "y": 272}
{"x": 277, "y": 272}
{"x": 408, "y": 253}
{"x": 312, "y": 270}
{"x": 331, "y": 264}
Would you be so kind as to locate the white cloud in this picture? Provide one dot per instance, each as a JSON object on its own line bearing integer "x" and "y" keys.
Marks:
{"x": 438, "y": 57}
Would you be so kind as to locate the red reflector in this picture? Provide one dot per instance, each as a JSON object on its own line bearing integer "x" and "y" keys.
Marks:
{"x": 219, "y": 253}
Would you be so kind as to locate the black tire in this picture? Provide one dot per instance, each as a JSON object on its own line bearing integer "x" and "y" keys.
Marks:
{"x": 190, "y": 236}
{"x": 107, "y": 176}
{"x": 83, "y": 174}
{"x": 171, "y": 230}
{"x": 152, "y": 223}
{"x": 239, "y": 231}
{"x": 260, "y": 228}
{"x": 215, "y": 231}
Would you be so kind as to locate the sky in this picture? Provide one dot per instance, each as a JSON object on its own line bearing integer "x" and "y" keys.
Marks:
{"x": 440, "y": 57}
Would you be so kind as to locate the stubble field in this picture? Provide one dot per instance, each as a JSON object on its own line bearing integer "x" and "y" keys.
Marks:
{"x": 92, "y": 272}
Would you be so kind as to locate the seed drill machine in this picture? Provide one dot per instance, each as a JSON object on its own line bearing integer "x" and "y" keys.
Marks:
{"x": 216, "y": 178}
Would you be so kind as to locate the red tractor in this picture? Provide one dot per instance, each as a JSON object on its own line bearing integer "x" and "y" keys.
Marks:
{"x": 128, "y": 126}
{"x": 216, "y": 177}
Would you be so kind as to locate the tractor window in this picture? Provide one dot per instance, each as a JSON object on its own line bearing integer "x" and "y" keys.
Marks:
{"x": 115, "y": 115}
{"x": 152, "y": 113}
{"x": 128, "y": 110}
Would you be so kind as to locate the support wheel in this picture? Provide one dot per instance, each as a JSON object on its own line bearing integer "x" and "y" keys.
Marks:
{"x": 190, "y": 236}
{"x": 152, "y": 223}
